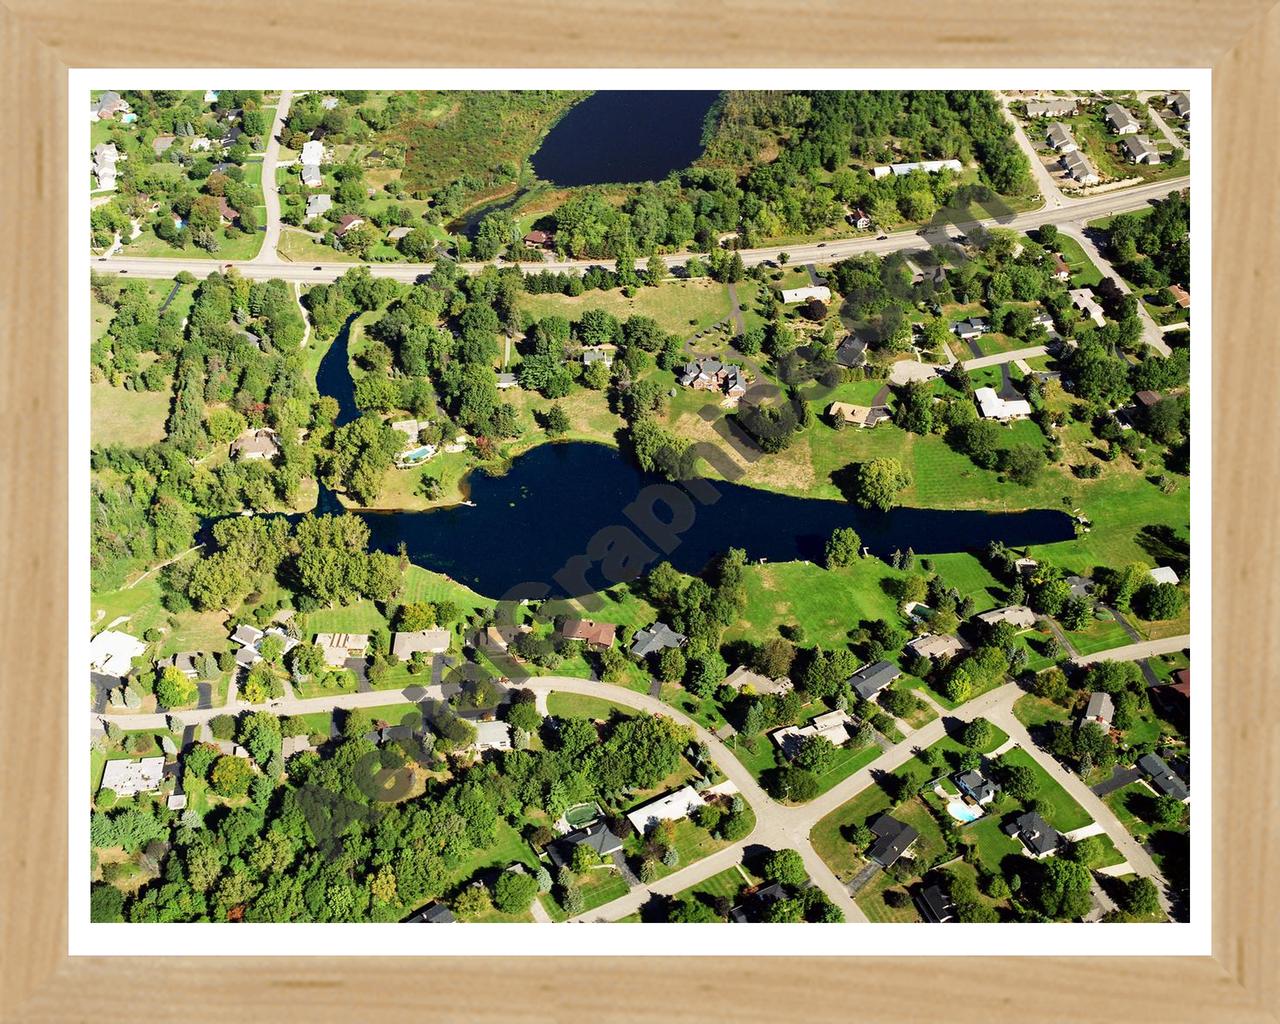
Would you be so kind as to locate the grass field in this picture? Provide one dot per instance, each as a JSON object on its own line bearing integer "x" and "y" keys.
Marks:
{"x": 577, "y": 705}
{"x": 1084, "y": 273}
{"x": 680, "y": 307}
{"x": 1062, "y": 812}
{"x": 133, "y": 418}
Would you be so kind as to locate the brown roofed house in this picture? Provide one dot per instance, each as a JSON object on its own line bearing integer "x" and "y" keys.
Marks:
{"x": 598, "y": 634}
{"x": 1180, "y": 295}
{"x": 228, "y": 212}
{"x": 256, "y": 444}
{"x": 1147, "y": 398}
{"x": 348, "y": 222}
{"x": 538, "y": 239}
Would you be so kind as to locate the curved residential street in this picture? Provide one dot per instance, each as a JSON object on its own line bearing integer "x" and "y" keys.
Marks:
{"x": 1151, "y": 334}
{"x": 778, "y": 826}
{"x": 1053, "y": 197}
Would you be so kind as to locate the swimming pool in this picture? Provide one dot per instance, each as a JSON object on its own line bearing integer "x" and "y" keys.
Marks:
{"x": 962, "y": 812}
{"x": 412, "y": 458}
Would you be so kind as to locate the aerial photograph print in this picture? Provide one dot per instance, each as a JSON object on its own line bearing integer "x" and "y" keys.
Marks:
{"x": 636, "y": 506}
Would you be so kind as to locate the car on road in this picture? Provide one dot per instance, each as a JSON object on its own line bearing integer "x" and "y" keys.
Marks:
{"x": 881, "y": 238}
{"x": 822, "y": 245}
{"x": 102, "y": 259}
{"x": 317, "y": 268}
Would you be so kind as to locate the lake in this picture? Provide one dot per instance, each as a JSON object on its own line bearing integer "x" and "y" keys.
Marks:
{"x": 624, "y": 136}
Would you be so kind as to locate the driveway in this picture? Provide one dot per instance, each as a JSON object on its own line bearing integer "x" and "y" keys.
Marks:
{"x": 1000, "y": 358}
{"x": 1053, "y": 197}
{"x": 270, "y": 189}
{"x": 1120, "y": 778}
{"x": 1151, "y": 334}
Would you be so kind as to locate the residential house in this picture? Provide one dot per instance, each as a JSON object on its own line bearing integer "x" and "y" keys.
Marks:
{"x": 185, "y": 662}
{"x": 493, "y": 736}
{"x": 1083, "y": 300}
{"x": 432, "y": 913}
{"x": 1060, "y": 139}
{"x": 1037, "y": 835}
{"x": 871, "y": 679}
{"x": 934, "y": 273}
{"x": 934, "y": 903}
{"x": 673, "y": 806}
{"x": 1180, "y": 295}
{"x": 1017, "y": 615}
{"x": 290, "y": 745}
{"x": 318, "y": 205}
{"x": 1080, "y": 586}
{"x": 1061, "y": 272}
{"x": 1180, "y": 104}
{"x": 348, "y": 222}
{"x": 852, "y": 351}
{"x": 329, "y": 103}
{"x": 974, "y": 327}
{"x": 930, "y": 645}
{"x": 993, "y": 407}
{"x": 860, "y": 219}
{"x": 1164, "y": 574}
{"x": 893, "y": 839}
{"x": 313, "y": 152}
{"x": 250, "y": 640}
{"x": 311, "y": 176}
{"x": 263, "y": 443}
{"x": 1140, "y": 150}
{"x": 1078, "y": 168}
{"x": 426, "y": 641}
{"x": 1101, "y": 710}
{"x": 1025, "y": 566}
{"x": 742, "y": 677}
{"x": 397, "y": 233}
{"x": 129, "y": 778}
{"x": 597, "y": 634}
{"x": 105, "y": 158}
{"x": 211, "y": 95}
{"x": 709, "y": 374}
{"x": 227, "y": 213}
{"x": 656, "y": 638}
{"x": 339, "y": 647}
{"x": 832, "y": 726}
{"x": 792, "y": 295}
{"x": 109, "y": 104}
{"x": 928, "y": 166}
{"x": 111, "y": 652}
{"x": 597, "y": 354}
{"x": 1121, "y": 121}
{"x": 756, "y": 903}
{"x": 1051, "y": 108}
{"x": 410, "y": 428}
{"x": 1163, "y": 778}
{"x": 539, "y": 239}
{"x": 1147, "y": 399}
{"x": 977, "y": 787}
{"x": 597, "y": 836}
{"x": 858, "y": 415}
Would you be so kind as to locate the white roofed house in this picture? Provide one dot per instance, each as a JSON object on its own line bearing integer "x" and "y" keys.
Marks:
{"x": 1164, "y": 574}
{"x": 105, "y": 157}
{"x": 428, "y": 641}
{"x": 111, "y": 652}
{"x": 1078, "y": 168}
{"x": 933, "y": 646}
{"x": 129, "y": 778}
{"x": 974, "y": 327}
{"x": 1018, "y": 615}
{"x": 819, "y": 291}
{"x": 338, "y": 647}
{"x": 1139, "y": 150}
{"x": 492, "y": 735}
{"x": 1083, "y": 300}
{"x": 313, "y": 152}
{"x": 993, "y": 407}
{"x": 1121, "y": 121}
{"x": 928, "y": 166}
{"x": 673, "y": 806}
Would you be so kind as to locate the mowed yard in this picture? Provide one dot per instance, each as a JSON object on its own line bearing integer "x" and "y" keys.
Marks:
{"x": 131, "y": 418}
{"x": 680, "y": 307}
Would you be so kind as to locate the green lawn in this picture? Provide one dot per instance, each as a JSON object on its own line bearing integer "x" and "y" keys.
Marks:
{"x": 131, "y": 418}
{"x": 680, "y": 307}
{"x": 1061, "y": 810}
{"x": 1084, "y": 273}
{"x": 599, "y": 886}
{"x": 576, "y": 705}
{"x": 1033, "y": 711}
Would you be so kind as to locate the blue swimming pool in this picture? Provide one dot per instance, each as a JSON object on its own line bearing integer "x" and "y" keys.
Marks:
{"x": 416, "y": 455}
{"x": 963, "y": 812}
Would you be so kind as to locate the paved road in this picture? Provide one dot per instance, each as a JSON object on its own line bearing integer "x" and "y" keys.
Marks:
{"x": 1151, "y": 334}
{"x": 267, "y": 255}
{"x": 1165, "y": 130}
{"x": 1135, "y": 652}
{"x": 1000, "y": 358}
{"x": 1077, "y": 212}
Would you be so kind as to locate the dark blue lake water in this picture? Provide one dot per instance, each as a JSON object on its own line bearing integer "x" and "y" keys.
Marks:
{"x": 554, "y": 501}
{"x": 624, "y": 136}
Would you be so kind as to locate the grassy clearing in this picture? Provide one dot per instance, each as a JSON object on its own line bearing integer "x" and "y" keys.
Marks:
{"x": 680, "y": 307}
{"x": 131, "y": 418}
{"x": 1084, "y": 273}
{"x": 1062, "y": 812}
{"x": 578, "y": 705}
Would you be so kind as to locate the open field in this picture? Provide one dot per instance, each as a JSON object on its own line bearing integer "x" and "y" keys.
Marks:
{"x": 132, "y": 418}
{"x": 680, "y": 307}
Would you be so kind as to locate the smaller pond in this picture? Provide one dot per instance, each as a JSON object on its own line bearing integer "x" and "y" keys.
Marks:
{"x": 624, "y": 136}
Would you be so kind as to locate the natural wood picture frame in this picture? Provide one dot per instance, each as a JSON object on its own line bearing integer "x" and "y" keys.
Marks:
{"x": 39, "y": 41}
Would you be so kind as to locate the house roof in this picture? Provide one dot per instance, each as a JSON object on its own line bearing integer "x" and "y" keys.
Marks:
{"x": 976, "y": 785}
{"x": 597, "y": 836}
{"x": 871, "y": 679}
{"x": 313, "y": 152}
{"x": 1164, "y": 574}
{"x": 1180, "y": 295}
{"x": 1139, "y": 147}
{"x": 429, "y": 641}
{"x": 1100, "y": 708}
{"x": 935, "y": 905}
{"x": 859, "y": 415}
{"x": 601, "y": 634}
{"x": 1163, "y": 777}
{"x": 1059, "y": 135}
{"x": 930, "y": 645}
{"x": 743, "y": 676}
{"x": 318, "y": 204}
{"x": 656, "y": 638}
{"x": 432, "y": 913}
{"x": 128, "y": 778}
{"x": 1038, "y": 835}
{"x": 673, "y": 806}
{"x": 256, "y": 442}
{"x": 893, "y": 839}
{"x": 1076, "y": 164}
{"x": 493, "y": 735}
{"x": 993, "y": 407}
{"x": 852, "y": 351}
{"x": 111, "y": 652}
{"x": 1017, "y": 614}
{"x": 755, "y": 905}
{"x": 1050, "y": 108}
{"x": 348, "y": 221}
{"x": 1119, "y": 117}
{"x": 538, "y": 237}
{"x": 1181, "y": 682}
{"x": 246, "y": 635}
{"x": 815, "y": 291}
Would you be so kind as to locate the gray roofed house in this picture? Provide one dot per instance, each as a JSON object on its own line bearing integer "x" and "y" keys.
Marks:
{"x": 1163, "y": 778}
{"x": 1180, "y": 104}
{"x": 256, "y": 444}
{"x": 131, "y": 777}
{"x": 755, "y": 905}
{"x": 935, "y": 905}
{"x": 1059, "y": 138}
{"x": 597, "y": 836}
{"x": 1139, "y": 150}
{"x": 432, "y": 913}
{"x": 1122, "y": 122}
{"x": 246, "y": 635}
{"x": 852, "y": 351}
{"x": 105, "y": 157}
{"x": 1080, "y": 586}
{"x": 318, "y": 204}
{"x": 161, "y": 144}
{"x": 185, "y": 662}
{"x": 505, "y": 381}
{"x": 893, "y": 839}
{"x": 656, "y": 638}
{"x": 1051, "y": 108}
{"x": 109, "y": 104}
{"x": 1037, "y": 835}
{"x": 397, "y": 233}
{"x": 1018, "y": 615}
{"x": 311, "y": 175}
{"x": 493, "y": 736}
{"x": 1079, "y": 168}
{"x": 974, "y": 327}
{"x": 976, "y": 785}
{"x": 1100, "y": 709}
{"x": 871, "y": 679}
{"x": 598, "y": 354}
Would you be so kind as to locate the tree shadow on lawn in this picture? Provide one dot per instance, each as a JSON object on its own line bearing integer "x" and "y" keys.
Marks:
{"x": 1163, "y": 544}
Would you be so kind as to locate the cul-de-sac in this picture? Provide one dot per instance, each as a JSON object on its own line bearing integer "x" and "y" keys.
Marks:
{"x": 607, "y": 507}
